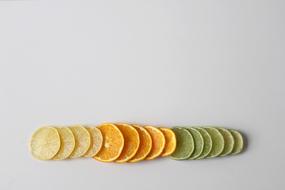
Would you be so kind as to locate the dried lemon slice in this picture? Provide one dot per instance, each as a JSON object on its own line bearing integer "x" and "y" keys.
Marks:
{"x": 132, "y": 142}
{"x": 229, "y": 141}
{"x": 158, "y": 142}
{"x": 82, "y": 141}
{"x": 145, "y": 144}
{"x": 239, "y": 144}
{"x": 96, "y": 141}
{"x": 45, "y": 143}
{"x": 207, "y": 143}
{"x": 199, "y": 143}
{"x": 170, "y": 141}
{"x": 67, "y": 143}
{"x": 113, "y": 143}
{"x": 218, "y": 142}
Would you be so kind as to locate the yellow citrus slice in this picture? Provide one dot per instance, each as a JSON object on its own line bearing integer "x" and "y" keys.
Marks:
{"x": 45, "y": 143}
{"x": 82, "y": 141}
{"x": 145, "y": 144}
{"x": 132, "y": 142}
{"x": 158, "y": 142}
{"x": 67, "y": 143}
{"x": 170, "y": 141}
{"x": 96, "y": 141}
{"x": 113, "y": 143}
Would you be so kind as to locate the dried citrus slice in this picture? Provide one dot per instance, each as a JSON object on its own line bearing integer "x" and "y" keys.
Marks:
{"x": 199, "y": 143}
{"x": 158, "y": 142}
{"x": 96, "y": 141}
{"x": 185, "y": 144}
{"x": 229, "y": 141}
{"x": 207, "y": 143}
{"x": 218, "y": 142}
{"x": 82, "y": 141}
{"x": 67, "y": 143}
{"x": 113, "y": 143}
{"x": 45, "y": 143}
{"x": 239, "y": 144}
{"x": 170, "y": 141}
{"x": 132, "y": 142}
{"x": 145, "y": 144}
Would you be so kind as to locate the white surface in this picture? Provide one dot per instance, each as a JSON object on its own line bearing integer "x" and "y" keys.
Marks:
{"x": 156, "y": 62}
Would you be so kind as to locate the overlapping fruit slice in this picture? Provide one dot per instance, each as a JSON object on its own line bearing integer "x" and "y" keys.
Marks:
{"x": 170, "y": 142}
{"x": 96, "y": 142}
{"x": 185, "y": 144}
{"x": 67, "y": 143}
{"x": 158, "y": 142}
{"x": 82, "y": 141}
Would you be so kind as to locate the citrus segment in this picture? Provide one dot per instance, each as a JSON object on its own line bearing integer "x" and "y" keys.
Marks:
{"x": 218, "y": 142}
{"x": 199, "y": 143}
{"x": 207, "y": 143}
{"x": 229, "y": 141}
{"x": 82, "y": 141}
{"x": 45, "y": 143}
{"x": 145, "y": 144}
{"x": 239, "y": 143}
{"x": 170, "y": 141}
{"x": 67, "y": 143}
{"x": 158, "y": 142}
{"x": 96, "y": 141}
{"x": 113, "y": 143}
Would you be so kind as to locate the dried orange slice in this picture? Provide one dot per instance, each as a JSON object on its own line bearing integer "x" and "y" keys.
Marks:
{"x": 67, "y": 143}
{"x": 96, "y": 141}
{"x": 45, "y": 143}
{"x": 158, "y": 142}
{"x": 113, "y": 143}
{"x": 170, "y": 141}
{"x": 82, "y": 141}
{"x": 145, "y": 144}
{"x": 132, "y": 142}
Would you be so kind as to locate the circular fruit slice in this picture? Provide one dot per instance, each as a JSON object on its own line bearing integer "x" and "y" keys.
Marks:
{"x": 158, "y": 142}
{"x": 199, "y": 143}
{"x": 239, "y": 144}
{"x": 132, "y": 142}
{"x": 229, "y": 141}
{"x": 218, "y": 142}
{"x": 145, "y": 144}
{"x": 45, "y": 143}
{"x": 207, "y": 143}
{"x": 170, "y": 141}
{"x": 184, "y": 144}
{"x": 82, "y": 141}
{"x": 67, "y": 143}
{"x": 96, "y": 141}
{"x": 113, "y": 143}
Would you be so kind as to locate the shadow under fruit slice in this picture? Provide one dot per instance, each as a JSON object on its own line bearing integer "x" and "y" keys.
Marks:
{"x": 199, "y": 143}
{"x": 131, "y": 144}
{"x": 113, "y": 143}
{"x": 207, "y": 143}
{"x": 170, "y": 141}
{"x": 67, "y": 143}
{"x": 145, "y": 144}
{"x": 158, "y": 142}
{"x": 45, "y": 143}
{"x": 239, "y": 144}
{"x": 229, "y": 141}
{"x": 218, "y": 142}
{"x": 184, "y": 144}
{"x": 96, "y": 141}
{"x": 82, "y": 141}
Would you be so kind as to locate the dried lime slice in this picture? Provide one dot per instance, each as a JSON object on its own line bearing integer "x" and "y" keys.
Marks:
{"x": 184, "y": 144}
{"x": 45, "y": 143}
{"x": 229, "y": 141}
{"x": 96, "y": 141}
{"x": 207, "y": 143}
{"x": 239, "y": 143}
{"x": 82, "y": 141}
{"x": 218, "y": 142}
{"x": 67, "y": 143}
{"x": 199, "y": 143}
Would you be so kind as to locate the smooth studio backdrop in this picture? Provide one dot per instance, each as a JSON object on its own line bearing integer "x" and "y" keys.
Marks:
{"x": 160, "y": 62}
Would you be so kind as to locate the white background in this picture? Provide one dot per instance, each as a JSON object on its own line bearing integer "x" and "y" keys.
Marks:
{"x": 160, "y": 62}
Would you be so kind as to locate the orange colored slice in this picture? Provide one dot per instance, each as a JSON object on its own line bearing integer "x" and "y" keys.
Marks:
{"x": 145, "y": 144}
{"x": 132, "y": 142}
{"x": 113, "y": 143}
{"x": 170, "y": 141}
{"x": 158, "y": 142}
